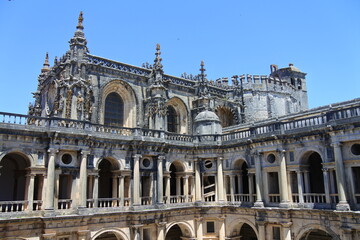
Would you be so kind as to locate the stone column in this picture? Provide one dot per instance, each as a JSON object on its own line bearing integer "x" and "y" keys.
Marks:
{"x": 167, "y": 190}
{"x": 220, "y": 180}
{"x": 346, "y": 233}
{"x": 50, "y": 182}
{"x": 137, "y": 235}
{"x": 160, "y": 194}
{"x": 340, "y": 178}
{"x": 232, "y": 187}
{"x": 115, "y": 187}
{"x": 161, "y": 230}
{"x": 121, "y": 190}
{"x": 222, "y": 228}
{"x": 178, "y": 186}
{"x": 83, "y": 179}
{"x": 326, "y": 185}
{"x": 192, "y": 188}
{"x": 199, "y": 229}
{"x": 197, "y": 181}
{"x": 240, "y": 183}
{"x": 96, "y": 191}
{"x": 29, "y": 191}
{"x": 286, "y": 231}
{"x": 251, "y": 186}
{"x": 90, "y": 186}
{"x": 307, "y": 181}
{"x": 261, "y": 229}
{"x": 136, "y": 180}
{"x": 284, "y": 191}
{"x": 186, "y": 187}
{"x": 259, "y": 197}
{"x": 300, "y": 185}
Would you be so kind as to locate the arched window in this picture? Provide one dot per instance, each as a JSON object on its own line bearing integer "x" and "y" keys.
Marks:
{"x": 172, "y": 120}
{"x": 114, "y": 110}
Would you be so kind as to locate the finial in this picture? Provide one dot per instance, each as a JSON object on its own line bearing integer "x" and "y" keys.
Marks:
{"x": 202, "y": 71}
{"x": 80, "y": 20}
{"x": 46, "y": 63}
{"x": 158, "y": 59}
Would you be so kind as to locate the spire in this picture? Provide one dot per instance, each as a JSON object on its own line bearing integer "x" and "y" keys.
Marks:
{"x": 46, "y": 64}
{"x": 157, "y": 62}
{"x": 203, "y": 88}
{"x": 78, "y": 42}
{"x": 202, "y": 72}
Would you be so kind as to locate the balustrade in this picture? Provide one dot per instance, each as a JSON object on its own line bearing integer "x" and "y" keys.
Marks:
{"x": 274, "y": 198}
{"x": 13, "y": 206}
{"x": 314, "y": 198}
{"x": 64, "y": 203}
{"x": 108, "y": 202}
{"x": 146, "y": 200}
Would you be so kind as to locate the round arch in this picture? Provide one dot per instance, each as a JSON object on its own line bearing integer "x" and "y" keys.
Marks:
{"x": 115, "y": 164}
{"x": 237, "y": 224}
{"x": 238, "y": 163}
{"x": 181, "y": 111}
{"x": 28, "y": 158}
{"x": 179, "y": 165}
{"x": 310, "y": 227}
{"x": 127, "y": 94}
{"x": 226, "y": 115}
{"x": 185, "y": 227}
{"x": 305, "y": 154}
{"x": 120, "y": 235}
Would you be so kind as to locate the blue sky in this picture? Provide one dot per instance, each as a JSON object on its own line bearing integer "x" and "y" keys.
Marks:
{"x": 321, "y": 38}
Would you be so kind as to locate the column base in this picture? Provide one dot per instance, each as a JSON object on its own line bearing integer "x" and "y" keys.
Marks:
{"x": 342, "y": 206}
{"x": 259, "y": 204}
{"x": 284, "y": 204}
{"x": 49, "y": 213}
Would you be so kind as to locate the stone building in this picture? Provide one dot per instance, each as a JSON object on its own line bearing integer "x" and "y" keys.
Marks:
{"x": 114, "y": 151}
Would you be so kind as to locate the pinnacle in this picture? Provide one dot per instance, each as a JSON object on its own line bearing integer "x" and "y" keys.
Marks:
{"x": 46, "y": 63}
{"x": 80, "y": 21}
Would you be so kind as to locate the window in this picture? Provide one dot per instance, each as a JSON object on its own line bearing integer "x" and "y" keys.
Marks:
{"x": 114, "y": 110}
{"x": 172, "y": 120}
{"x": 276, "y": 233}
{"x": 210, "y": 227}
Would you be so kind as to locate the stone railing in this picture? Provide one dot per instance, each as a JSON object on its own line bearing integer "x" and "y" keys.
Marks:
{"x": 64, "y": 203}
{"x": 13, "y": 206}
{"x": 103, "y": 62}
{"x": 146, "y": 200}
{"x": 312, "y": 119}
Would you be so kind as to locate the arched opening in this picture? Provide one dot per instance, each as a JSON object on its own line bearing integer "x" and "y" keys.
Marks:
{"x": 247, "y": 233}
{"x": 172, "y": 120}
{"x": 13, "y": 179}
{"x": 108, "y": 184}
{"x": 108, "y": 236}
{"x": 316, "y": 234}
{"x": 226, "y": 116}
{"x": 177, "y": 116}
{"x": 316, "y": 173}
{"x": 174, "y": 233}
{"x": 176, "y": 180}
{"x": 114, "y": 110}
{"x": 237, "y": 187}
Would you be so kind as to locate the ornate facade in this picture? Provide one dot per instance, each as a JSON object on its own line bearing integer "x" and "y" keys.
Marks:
{"x": 113, "y": 151}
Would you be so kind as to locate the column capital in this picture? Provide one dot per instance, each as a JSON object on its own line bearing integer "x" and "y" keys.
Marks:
{"x": 49, "y": 236}
{"x": 336, "y": 144}
{"x": 325, "y": 169}
{"x": 161, "y": 157}
{"x": 53, "y": 151}
{"x": 286, "y": 224}
{"x": 85, "y": 152}
{"x": 261, "y": 222}
{"x": 137, "y": 156}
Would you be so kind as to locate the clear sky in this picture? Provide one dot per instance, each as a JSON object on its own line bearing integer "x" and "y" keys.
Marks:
{"x": 320, "y": 37}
